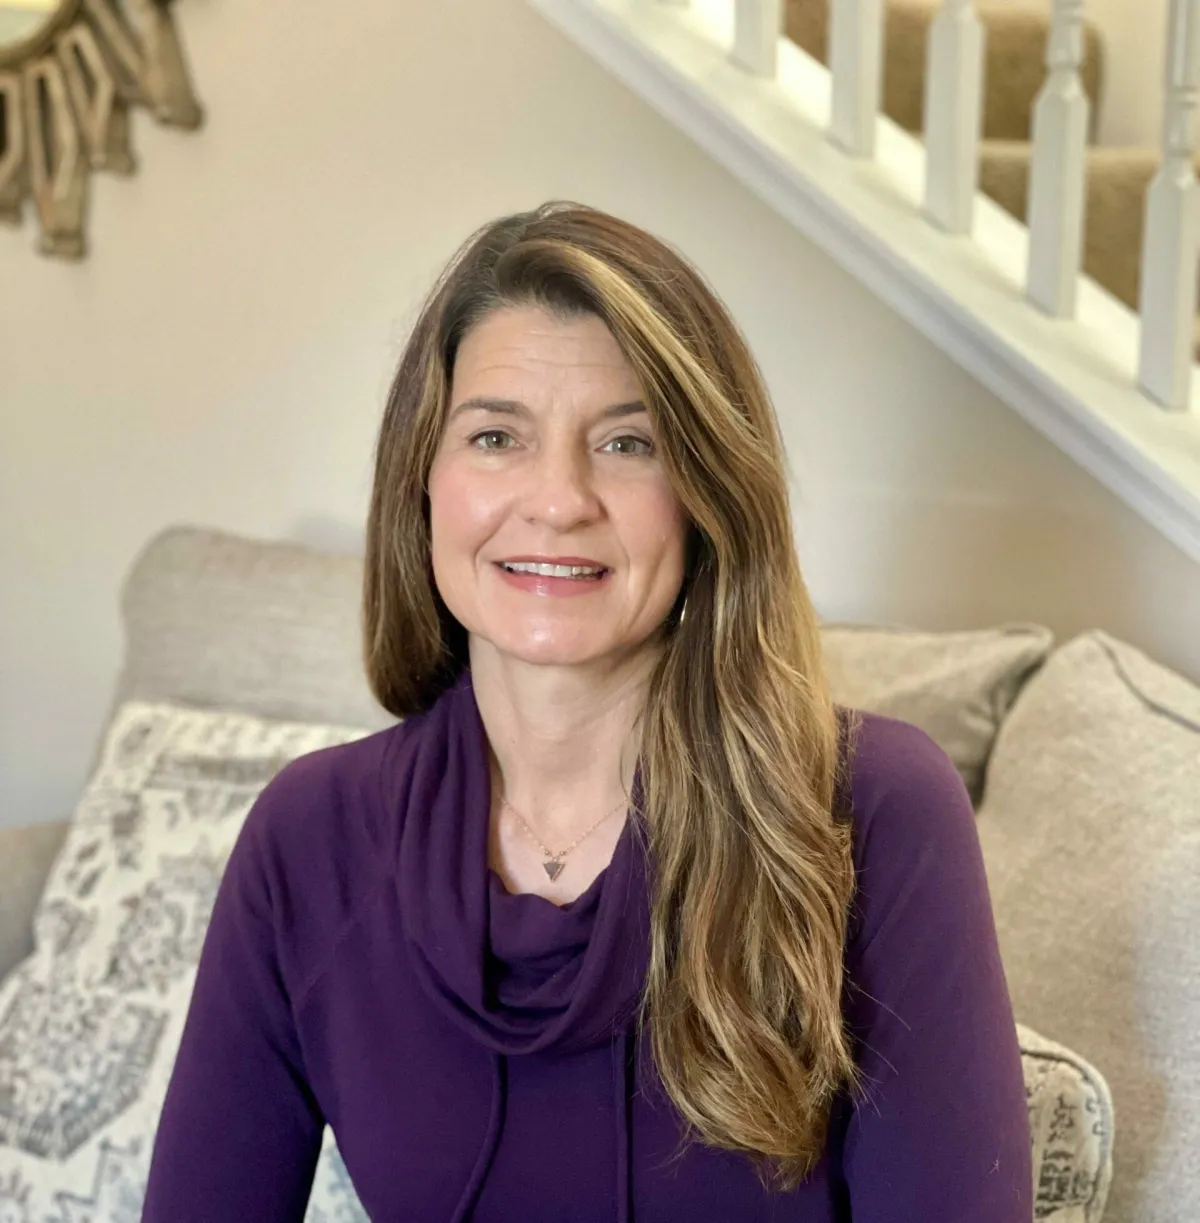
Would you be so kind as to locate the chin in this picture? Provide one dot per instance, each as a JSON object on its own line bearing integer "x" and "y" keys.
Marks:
{"x": 550, "y": 654}
{"x": 549, "y": 650}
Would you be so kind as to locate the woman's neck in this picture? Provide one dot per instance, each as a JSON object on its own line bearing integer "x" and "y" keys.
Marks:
{"x": 563, "y": 739}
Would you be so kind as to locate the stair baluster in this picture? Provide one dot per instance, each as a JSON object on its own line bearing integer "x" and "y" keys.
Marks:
{"x": 1171, "y": 240}
{"x": 757, "y": 26}
{"x": 856, "y": 64}
{"x": 1056, "y": 183}
{"x": 953, "y": 114}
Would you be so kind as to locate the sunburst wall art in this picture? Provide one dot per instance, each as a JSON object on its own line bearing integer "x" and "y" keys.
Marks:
{"x": 70, "y": 70}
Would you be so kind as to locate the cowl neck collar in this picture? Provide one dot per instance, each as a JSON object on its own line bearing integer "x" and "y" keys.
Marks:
{"x": 516, "y": 973}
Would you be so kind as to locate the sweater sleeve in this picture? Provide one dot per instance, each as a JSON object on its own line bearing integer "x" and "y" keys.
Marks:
{"x": 240, "y": 1130}
{"x": 941, "y": 1128}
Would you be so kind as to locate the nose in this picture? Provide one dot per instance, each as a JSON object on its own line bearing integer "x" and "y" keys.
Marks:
{"x": 559, "y": 490}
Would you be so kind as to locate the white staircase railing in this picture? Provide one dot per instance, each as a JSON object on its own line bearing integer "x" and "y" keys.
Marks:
{"x": 953, "y": 113}
{"x": 756, "y": 35}
{"x": 1170, "y": 250}
{"x": 856, "y": 61}
{"x": 1057, "y": 178}
{"x": 1009, "y": 303}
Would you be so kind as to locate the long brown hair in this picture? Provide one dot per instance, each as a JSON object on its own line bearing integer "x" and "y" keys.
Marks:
{"x": 739, "y": 737}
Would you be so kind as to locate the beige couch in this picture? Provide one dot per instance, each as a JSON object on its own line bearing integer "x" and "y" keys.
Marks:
{"x": 1084, "y": 762}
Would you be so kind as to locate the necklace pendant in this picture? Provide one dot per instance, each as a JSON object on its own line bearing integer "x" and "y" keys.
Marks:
{"x": 553, "y": 868}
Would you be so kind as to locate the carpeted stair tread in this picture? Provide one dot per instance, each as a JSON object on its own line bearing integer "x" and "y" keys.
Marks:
{"x": 1117, "y": 179}
{"x": 1014, "y": 66}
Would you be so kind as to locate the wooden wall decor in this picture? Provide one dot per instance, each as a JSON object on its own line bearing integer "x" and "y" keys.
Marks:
{"x": 68, "y": 79}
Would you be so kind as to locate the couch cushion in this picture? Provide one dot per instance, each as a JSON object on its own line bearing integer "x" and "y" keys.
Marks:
{"x": 90, "y": 1022}
{"x": 1091, "y": 833}
{"x": 226, "y": 622}
{"x": 957, "y": 687}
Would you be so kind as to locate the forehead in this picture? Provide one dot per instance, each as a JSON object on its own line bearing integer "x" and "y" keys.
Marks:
{"x": 530, "y": 346}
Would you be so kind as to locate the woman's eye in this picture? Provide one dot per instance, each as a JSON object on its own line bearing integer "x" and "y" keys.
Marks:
{"x": 489, "y": 433}
{"x": 637, "y": 441}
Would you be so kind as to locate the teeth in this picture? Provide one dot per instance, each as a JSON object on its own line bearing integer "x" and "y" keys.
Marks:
{"x": 551, "y": 571}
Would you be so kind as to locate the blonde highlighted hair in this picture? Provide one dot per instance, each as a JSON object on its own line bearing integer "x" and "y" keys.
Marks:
{"x": 743, "y": 749}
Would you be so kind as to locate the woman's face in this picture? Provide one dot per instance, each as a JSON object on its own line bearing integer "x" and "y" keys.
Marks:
{"x": 547, "y": 457}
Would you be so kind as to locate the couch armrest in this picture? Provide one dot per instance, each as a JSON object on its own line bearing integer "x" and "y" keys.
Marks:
{"x": 26, "y": 855}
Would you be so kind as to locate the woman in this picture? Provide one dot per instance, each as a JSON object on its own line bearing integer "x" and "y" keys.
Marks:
{"x": 624, "y": 920}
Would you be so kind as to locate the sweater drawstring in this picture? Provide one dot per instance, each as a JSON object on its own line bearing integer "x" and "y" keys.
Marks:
{"x": 622, "y": 1105}
{"x": 466, "y": 1203}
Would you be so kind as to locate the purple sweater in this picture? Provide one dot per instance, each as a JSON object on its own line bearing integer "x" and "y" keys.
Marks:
{"x": 472, "y": 1049}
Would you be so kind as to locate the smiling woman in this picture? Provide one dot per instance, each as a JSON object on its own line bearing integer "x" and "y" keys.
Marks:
{"x": 624, "y": 919}
{"x": 570, "y": 478}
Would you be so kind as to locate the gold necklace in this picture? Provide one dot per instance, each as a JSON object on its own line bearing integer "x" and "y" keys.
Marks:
{"x": 554, "y": 864}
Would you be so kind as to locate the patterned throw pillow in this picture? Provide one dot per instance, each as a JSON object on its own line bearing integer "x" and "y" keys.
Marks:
{"x": 1071, "y": 1116}
{"x": 90, "y": 1023}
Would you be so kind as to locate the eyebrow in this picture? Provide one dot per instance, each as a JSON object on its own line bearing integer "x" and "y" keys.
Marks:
{"x": 514, "y": 407}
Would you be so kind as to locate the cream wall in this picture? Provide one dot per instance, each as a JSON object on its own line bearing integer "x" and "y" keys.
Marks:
{"x": 223, "y": 354}
{"x": 1131, "y": 103}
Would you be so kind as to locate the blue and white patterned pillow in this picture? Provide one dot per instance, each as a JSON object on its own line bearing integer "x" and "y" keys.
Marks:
{"x": 90, "y": 1023}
